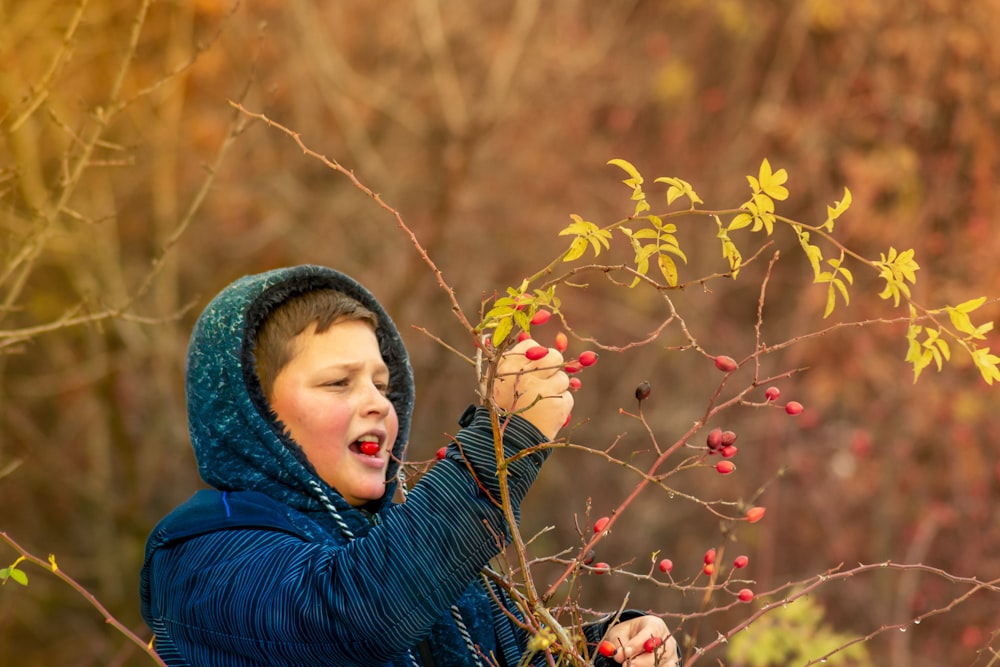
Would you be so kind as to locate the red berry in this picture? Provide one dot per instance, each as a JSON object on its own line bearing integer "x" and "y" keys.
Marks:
{"x": 369, "y": 448}
{"x": 606, "y": 648}
{"x": 728, "y": 452}
{"x": 562, "y": 342}
{"x": 755, "y": 514}
{"x": 575, "y": 383}
{"x": 441, "y": 453}
{"x": 728, "y": 438}
{"x": 601, "y": 524}
{"x": 666, "y": 565}
{"x": 709, "y": 556}
{"x": 541, "y": 316}
{"x": 523, "y": 336}
{"x": 588, "y": 358}
{"x": 725, "y": 467}
{"x": 708, "y": 569}
{"x": 725, "y": 364}
{"x": 568, "y": 418}
{"x": 588, "y": 558}
{"x": 651, "y": 644}
{"x": 535, "y": 353}
{"x": 745, "y": 595}
{"x": 772, "y": 393}
{"x": 714, "y": 439}
{"x": 601, "y": 568}
{"x": 741, "y": 562}
{"x": 572, "y": 367}
{"x": 794, "y": 408}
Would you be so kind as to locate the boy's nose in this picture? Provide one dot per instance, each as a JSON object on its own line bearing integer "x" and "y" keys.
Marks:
{"x": 375, "y": 400}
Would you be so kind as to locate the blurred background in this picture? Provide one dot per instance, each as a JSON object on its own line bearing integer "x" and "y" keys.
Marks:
{"x": 131, "y": 192}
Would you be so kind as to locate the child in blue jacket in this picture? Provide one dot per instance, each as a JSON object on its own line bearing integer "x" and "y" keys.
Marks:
{"x": 300, "y": 394}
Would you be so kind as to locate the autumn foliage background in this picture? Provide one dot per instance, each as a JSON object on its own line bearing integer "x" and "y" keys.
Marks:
{"x": 485, "y": 125}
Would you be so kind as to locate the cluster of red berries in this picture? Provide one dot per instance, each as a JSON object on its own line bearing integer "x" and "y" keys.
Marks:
{"x": 722, "y": 443}
{"x": 608, "y": 649}
{"x": 709, "y": 561}
{"x": 573, "y": 366}
{"x": 727, "y": 364}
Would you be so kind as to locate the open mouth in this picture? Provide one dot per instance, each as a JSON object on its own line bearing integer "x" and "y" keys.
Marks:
{"x": 368, "y": 445}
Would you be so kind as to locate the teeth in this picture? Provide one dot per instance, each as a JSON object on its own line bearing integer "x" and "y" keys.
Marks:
{"x": 368, "y": 438}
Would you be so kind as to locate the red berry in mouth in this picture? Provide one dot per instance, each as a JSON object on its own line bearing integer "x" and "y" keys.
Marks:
{"x": 709, "y": 557}
{"x": 725, "y": 467}
{"x": 369, "y": 448}
{"x": 725, "y": 364}
{"x": 588, "y": 358}
{"x": 606, "y": 648}
{"x": 535, "y": 353}
{"x": 601, "y": 524}
{"x": 794, "y": 408}
{"x": 651, "y": 644}
{"x": 562, "y": 342}
{"x": 441, "y": 453}
{"x": 541, "y": 316}
{"x": 772, "y": 393}
{"x": 745, "y": 595}
{"x": 666, "y": 565}
{"x": 755, "y": 514}
{"x": 741, "y": 562}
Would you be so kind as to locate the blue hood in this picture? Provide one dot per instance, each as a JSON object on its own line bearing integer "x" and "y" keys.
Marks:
{"x": 239, "y": 444}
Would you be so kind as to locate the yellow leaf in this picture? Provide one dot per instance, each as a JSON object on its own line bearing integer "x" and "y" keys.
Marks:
{"x": 740, "y": 221}
{"x": 634, "y": 177}
{"x": 504, "y": 327}
{"x": 835, "y": 211}
{"x": 771, "y": 182}
{"x": 668, "y": 268}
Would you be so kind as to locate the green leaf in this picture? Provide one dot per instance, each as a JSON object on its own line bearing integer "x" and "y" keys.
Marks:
{"x": 19, "y": 576}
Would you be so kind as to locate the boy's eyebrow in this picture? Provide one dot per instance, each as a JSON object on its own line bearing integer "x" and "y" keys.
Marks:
{"x": 353, "y": 366}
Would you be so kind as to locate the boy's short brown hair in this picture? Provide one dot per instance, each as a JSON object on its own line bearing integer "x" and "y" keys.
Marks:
{"x": 324, "y": 307}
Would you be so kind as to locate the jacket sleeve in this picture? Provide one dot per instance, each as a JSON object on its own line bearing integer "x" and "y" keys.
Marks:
{"x": 275, "y": 599}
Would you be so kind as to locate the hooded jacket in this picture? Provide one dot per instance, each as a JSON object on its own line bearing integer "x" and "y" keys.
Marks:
{"x": 272, "y": 567}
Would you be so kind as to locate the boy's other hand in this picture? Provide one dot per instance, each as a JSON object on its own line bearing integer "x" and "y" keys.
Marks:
{"x": 631, "y": 637}
{"x": 538, "y": 390}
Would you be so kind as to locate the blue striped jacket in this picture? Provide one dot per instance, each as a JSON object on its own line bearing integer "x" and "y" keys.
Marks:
{"x": 272, "y": 567}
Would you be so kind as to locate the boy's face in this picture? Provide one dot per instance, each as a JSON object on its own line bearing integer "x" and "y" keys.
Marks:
{"x": 332, "y": 398}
